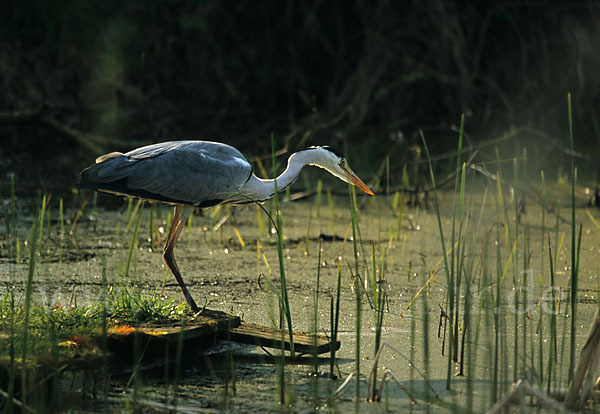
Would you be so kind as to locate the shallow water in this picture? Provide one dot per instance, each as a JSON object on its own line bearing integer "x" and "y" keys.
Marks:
{"x": 224, "y": 275}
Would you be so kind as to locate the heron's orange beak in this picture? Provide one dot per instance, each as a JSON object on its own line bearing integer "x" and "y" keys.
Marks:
{"x": 357, "y": 181}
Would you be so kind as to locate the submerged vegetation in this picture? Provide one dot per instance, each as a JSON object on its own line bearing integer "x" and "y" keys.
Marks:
{"x": 442, "y": 298}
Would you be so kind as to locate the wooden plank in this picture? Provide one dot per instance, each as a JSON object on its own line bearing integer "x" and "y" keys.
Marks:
{"x": 207, "y": 323}
{"x": 156, "y": 338}
{"x": 154, "y": 342}
{"x": 304, "y": 343}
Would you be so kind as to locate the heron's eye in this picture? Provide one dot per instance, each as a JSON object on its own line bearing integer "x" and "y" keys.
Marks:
{"x": 343, "y": 163}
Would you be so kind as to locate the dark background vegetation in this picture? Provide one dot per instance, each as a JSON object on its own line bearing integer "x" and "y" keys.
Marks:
{"x": 79, "y": 78}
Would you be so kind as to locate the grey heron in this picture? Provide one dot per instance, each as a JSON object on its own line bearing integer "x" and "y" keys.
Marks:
{"x": 190, "y": 174}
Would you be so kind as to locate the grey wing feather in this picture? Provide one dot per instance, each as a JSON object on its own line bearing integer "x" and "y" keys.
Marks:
{"x": 194, "y": 172}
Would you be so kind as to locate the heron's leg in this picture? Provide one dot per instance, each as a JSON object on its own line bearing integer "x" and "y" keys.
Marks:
{"x": 180, "y": 216}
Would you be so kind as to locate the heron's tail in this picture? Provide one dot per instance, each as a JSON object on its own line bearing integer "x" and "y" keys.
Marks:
{"x": 94, "y": 176}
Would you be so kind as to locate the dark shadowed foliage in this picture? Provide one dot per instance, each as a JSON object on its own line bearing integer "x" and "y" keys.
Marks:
{"x": 310, "y": 72}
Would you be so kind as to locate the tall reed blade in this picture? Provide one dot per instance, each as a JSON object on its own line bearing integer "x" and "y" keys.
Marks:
{"x": 453, "y": 294}
{"x": 13, "y": 212}
{"x": 335, "y": 318}
{"x": 139, "y": 211}
{"x": 357, "y": 292}
{"x": 516, "y": 356}
{"x": 316, "y": 301}
{"x": 12, "y": 373}
{"x": 315, "y": 330}
{"x": 449, "y": 281}
{"x": 37, "y": 231}
{"x": 331, "y": 203}
{"x": 284, "y": 294}
{"x": 574, "y": 275}
{"x": 373, "y": 277}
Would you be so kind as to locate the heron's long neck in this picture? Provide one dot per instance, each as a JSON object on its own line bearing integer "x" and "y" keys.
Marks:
{"x": 262, "y": 189}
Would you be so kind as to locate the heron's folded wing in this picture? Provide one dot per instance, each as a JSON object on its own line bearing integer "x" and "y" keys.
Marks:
{"x": 195, "y": 172}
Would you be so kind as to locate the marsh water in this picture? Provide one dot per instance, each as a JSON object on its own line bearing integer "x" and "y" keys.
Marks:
{"x": 226, "y": 254}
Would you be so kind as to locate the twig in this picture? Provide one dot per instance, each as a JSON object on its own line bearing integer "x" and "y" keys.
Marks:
{"x": 92, "y": 142}
{"x": 372, "y": 378}
{"x": 519, "y": 390}
{"x": 428, "y": 188}
{"x": 222, "y": 221}
{"x": 308, "y": 131}
{"x": 384, "y": 379}
{"x": 509, "y": 135}
{"x": 483, "y": 171}
{"x": 89, "y": 141}
{"x": 340, "y": 390}
{"x": 16, "y": 402}
{"x": 588, "y": 361}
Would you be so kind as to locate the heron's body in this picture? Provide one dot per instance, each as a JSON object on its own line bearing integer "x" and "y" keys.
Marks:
{"x": 199, "y": 173}
{"x": 190, "y": 174}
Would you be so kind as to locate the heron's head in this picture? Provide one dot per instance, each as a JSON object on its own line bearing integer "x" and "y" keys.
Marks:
{"x": 334, "y": 162}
